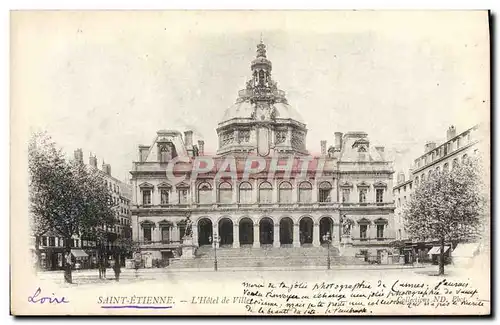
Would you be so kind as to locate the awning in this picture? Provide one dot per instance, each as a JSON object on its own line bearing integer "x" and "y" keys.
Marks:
{"x": 437, "y": 250}
{"x": 79, "y": 253}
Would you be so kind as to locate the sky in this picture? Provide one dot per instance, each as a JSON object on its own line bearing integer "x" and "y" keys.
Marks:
{"x": 107, "y": 81}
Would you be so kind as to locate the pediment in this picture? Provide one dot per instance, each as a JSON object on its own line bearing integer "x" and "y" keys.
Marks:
{"x": 146, "y": 185}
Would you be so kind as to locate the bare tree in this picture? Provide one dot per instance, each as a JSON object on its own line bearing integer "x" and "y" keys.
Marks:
{"x": 447, "y": 207}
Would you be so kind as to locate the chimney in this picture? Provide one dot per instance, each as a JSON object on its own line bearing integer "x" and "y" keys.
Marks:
{"x": 188, "y": 138}
{"x": 429, "y": 146}
{"x": 93, "y": 161}
{"x": 201, "y": 147}
{"x": 323, "y": 147}
{"x": 79, "y": 156}
{"x": 451, "y": 133}
{"x": 401, "y": 177}
{"x": 143, "y": 153}
{"x": 106, "y": 168}
{"x": 338, "y": 141}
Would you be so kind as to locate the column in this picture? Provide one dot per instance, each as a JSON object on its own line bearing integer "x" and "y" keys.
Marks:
{"x": 214, "y": 193}
{"x": 276, "y": 235}
{"x": 275, "y": 195}
{"x": 296, "y": 235}
{"x": 373, "y": 231}
{"x": 316, "y": 240}
{"x": 156, "y": 233}
{"x": 256, "y": 236}
{"x": 235, "y": 192}
{"x": 236, "y": 235}
{"x": 315, "y": 190}
{"x": 175, "y": 233}
{"x": 195, "y": 233}
{"x": 336, "y": 234}
{"x": 215, "y": 232}
{"x": 295, "y": 191}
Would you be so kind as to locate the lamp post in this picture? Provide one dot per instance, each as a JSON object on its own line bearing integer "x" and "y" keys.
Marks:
{"x": 215, "y": 241}
{"x": 328, "y": 239}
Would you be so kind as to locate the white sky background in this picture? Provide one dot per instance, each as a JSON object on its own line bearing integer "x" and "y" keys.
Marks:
{"x": 106, "y": 82}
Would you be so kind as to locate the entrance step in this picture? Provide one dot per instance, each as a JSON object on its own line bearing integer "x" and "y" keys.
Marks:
{"x": 265, "y": 257}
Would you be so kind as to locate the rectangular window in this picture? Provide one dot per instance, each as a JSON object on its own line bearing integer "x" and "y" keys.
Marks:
{"x": 44, "y": 241}
{"x": 285, "y": 196}
{"x": 345, "y": 195}
{"x": 380, "y": 231}
{"x": 147, "y": 234}
{"x": 362, "y": 231}
{"x": 146, "y": 197}
{"x": 52, "y": 241}
{"x": 77, "y": 243}
{"x": 165, "y": 234}
{"x": 380, "y": 195}
{"x": 362, "y": 195}
{"x": 164, "y": 197}
{"x": 183, "y": 196}
{"x": 324, "y": 195}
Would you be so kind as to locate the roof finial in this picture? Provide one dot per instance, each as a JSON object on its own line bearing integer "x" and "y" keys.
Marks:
{"x": 261, "y": 48}
{"x": 261, "y": 39}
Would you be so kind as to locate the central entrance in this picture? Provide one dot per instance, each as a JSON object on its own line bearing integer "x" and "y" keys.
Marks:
{"x": 246, "y": 231}
{"x": 226, "y": 231}
{"x": 286, "y": 231}
{"x": 266, "y": 230}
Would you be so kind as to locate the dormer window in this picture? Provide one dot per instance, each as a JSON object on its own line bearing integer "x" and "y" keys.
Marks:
{"x": 362, "y": 149}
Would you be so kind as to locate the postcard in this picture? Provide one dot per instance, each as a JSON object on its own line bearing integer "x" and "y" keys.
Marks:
{"x": 258, "y": 163}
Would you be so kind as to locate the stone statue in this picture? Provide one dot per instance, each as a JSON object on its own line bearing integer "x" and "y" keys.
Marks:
{"x": 189, "y": 228}
{"x": 346, "y": 226}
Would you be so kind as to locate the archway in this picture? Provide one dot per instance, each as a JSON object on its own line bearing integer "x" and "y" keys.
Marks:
{"x": 204, "y": 231}
{"x": 226, "y": 231}
{"x": 306, "y": 230}
{"x": 246, "y": 231}
{"x": 325, "y": 225}
{"x": 286, "y": 231}
{"x": 266, "y": 230}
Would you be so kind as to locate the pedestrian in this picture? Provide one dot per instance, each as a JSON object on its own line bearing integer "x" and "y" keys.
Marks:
{"x": 116, "y": 268}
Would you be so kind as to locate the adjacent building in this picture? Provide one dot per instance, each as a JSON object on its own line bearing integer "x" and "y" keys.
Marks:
{"x": 51, "y": 246}
{"x": 291, "y": 199}
{"x": 436, "y": 157}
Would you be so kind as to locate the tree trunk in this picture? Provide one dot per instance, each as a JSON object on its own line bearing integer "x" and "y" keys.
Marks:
{"x": 441, "y": 258}
{"x": 66, "y": 263}
{"x": 37, "y": 253}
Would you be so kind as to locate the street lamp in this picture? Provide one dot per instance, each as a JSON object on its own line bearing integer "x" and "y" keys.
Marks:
{"x": 215, "y": 242}
{"x": 328, "y": 239}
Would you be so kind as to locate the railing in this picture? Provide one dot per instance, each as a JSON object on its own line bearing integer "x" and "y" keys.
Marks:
{"x": 266, "y": 204}
{"x": 158, "y": 243}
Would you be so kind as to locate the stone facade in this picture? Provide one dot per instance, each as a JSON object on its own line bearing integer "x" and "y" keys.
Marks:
{"x": 292, "y": 199}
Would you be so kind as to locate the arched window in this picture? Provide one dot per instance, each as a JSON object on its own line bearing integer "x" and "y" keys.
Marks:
{"x": 455, "y": 163}
{"x": 265, "y": 192}
{"x": 325, "y": 191}
{"x": 416, "y": 181}
{"x": 204, "y": 193}
{"x": 430, "y": 174}
{"x": 446, "y": 167}
{"x": 422, "y": 178}
{"x": 464, "y": 158}
{"x": 245, "y": 193}
{"x": 285, "y": 192}
{"x": 399, "y": 202}
{"x": 305, "y": 192}
{"x": 438, "y": 169}
{"x": 225, "y": 193}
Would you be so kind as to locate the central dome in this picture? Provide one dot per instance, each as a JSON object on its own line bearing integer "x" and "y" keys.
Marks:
{"x": 261, "y": 120}
{"x": 245, "y": 109}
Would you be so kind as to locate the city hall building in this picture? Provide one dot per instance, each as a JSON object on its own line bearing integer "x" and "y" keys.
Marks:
{"x": 291, "y": 199}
